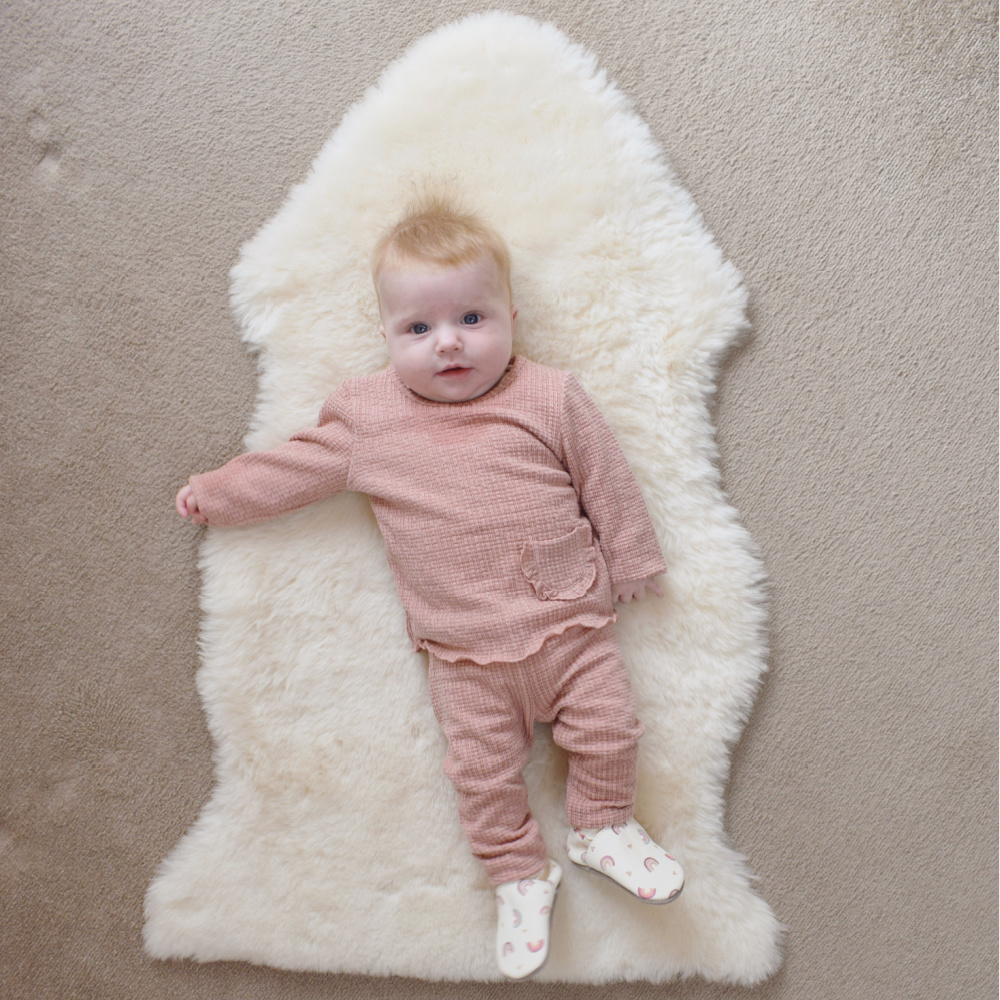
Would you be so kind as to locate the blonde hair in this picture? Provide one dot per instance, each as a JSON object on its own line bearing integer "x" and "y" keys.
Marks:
{"x": 436, "y": 231}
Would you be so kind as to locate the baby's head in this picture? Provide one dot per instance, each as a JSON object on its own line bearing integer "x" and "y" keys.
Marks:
{"x": 443, "y": 283}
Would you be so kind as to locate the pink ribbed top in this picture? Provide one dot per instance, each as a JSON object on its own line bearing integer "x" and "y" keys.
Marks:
{"x": 505, "y": 517}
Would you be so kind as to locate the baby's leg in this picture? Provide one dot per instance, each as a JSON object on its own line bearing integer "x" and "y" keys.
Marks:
{"x": 595, "y": 722}
{"x": 489, "y": 730}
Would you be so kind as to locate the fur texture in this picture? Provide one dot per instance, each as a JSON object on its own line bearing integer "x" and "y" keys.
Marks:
{"x": 331, "y": 841}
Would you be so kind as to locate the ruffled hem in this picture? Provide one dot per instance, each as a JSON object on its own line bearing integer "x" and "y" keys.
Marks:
{"x": 459, "y": 655}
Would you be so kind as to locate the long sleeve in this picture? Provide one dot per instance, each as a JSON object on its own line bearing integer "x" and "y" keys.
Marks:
{"x": 260, "y": 485}
{"x": 609, "y": 495}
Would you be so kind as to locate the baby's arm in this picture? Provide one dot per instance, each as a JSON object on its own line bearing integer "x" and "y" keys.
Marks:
{"x": 610, "y": 497}
{"x": 259, "y": 485}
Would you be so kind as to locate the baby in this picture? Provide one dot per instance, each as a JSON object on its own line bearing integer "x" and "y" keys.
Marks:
{"x": 512, "y": 525}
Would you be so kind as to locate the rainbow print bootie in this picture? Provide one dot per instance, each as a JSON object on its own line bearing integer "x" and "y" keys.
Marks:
{"x": 524, "y": 912}
{"x": 626, "y": 854}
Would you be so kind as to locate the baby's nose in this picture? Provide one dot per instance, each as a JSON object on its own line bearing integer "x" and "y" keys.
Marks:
{"x": 449, "y": 340}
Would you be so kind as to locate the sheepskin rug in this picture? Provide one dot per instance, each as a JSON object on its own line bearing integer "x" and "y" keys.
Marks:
{"x": 331, "y": 841}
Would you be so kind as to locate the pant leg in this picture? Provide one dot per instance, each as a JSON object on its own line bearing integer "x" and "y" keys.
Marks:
{"x": 485, "y": 716}
{"x": 594, "y": 720}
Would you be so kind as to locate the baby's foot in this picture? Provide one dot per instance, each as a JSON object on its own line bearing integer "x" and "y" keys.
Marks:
{"x": 626, "y": 854}
{"x": 524, "y": 909}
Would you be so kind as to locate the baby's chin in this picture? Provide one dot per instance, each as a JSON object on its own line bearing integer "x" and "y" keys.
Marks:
{"x": 460, "y": 388}
{"x": 451, "y": 397}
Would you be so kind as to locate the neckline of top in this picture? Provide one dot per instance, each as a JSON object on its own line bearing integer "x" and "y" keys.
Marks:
{"x": 512, "y": 367}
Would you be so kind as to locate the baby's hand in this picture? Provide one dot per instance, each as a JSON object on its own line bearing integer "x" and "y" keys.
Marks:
{"x": 187, "y": 506}
{"x": 628, "y": 589}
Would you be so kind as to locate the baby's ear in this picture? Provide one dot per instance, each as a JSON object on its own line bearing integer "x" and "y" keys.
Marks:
{"x": 381, "y": 329}
{"x": 513, "y": 313}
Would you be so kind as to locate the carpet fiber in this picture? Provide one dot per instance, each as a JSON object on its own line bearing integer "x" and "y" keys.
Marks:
{"x": 331, "y": 841}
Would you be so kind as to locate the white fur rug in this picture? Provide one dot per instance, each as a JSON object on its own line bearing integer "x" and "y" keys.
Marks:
{"x": 331, "y": 841}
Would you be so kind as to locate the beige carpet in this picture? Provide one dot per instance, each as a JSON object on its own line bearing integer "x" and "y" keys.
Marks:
{"x": 844, "y": 157}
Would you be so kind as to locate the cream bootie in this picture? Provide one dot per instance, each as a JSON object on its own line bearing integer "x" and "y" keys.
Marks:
{"x": 524, "y": 909}
{"x": 626, "y": 854}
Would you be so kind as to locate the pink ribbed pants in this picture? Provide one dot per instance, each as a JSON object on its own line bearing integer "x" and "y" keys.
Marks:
{"x": 578, "y": 682}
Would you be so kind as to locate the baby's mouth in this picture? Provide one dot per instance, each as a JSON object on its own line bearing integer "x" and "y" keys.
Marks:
{"x": 453, "y": 370}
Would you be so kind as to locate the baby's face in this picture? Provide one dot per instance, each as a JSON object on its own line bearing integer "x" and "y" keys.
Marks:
{"x": 450, "y": 331}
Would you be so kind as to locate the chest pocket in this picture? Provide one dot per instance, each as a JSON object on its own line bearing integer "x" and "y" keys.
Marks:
{"x": 563, "y": 568}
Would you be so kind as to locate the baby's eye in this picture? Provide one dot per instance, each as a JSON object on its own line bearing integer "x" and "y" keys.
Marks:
{"x": 419, "y": 328}
{"x": 470, "y": 319}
